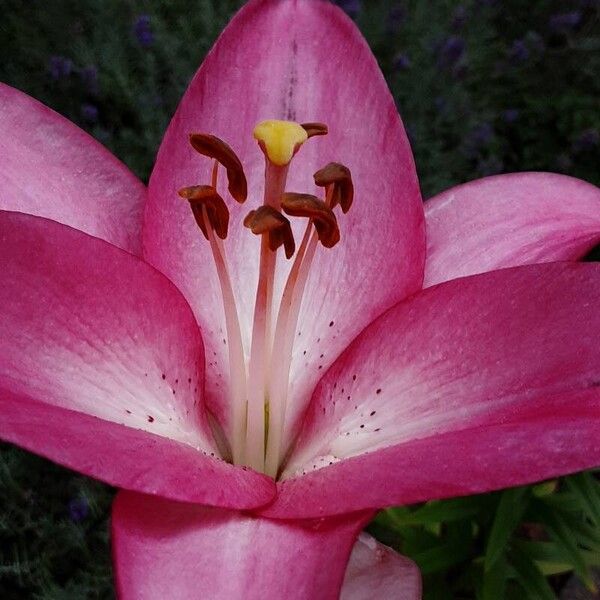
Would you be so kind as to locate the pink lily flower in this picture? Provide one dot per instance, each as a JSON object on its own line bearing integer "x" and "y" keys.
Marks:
{"x": 426, "y": 353}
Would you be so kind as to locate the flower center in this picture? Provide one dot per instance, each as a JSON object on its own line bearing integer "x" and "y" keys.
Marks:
{"x": 258, "y": 389}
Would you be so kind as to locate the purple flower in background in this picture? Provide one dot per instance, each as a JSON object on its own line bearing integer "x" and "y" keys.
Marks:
{"x": 402, "y": 62}
{"x": 397, "y": 16}
{"x": 459, "y": 18}
{"x": 510, "y": 115}
{"x": 89, "y": 112}
{"x": 586, "y": 141}
{"x": 451, "y": 51}
{"x": 351, "y": 7}
{"x": 564, "y": 22}
{"x": 78, "y": 509}
{"x": 143, "y": 31}
{"x": 59, "y": 67}
{"x": 519, "y": 52}
{"x": 89, "y": 77}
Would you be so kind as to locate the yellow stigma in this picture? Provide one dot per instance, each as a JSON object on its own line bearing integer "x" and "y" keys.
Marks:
{"x": 280, "y": 140}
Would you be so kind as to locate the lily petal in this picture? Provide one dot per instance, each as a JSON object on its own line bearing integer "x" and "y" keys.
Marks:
{"x": 164, "y": 549}
{"x": 546, "y": 439}
{"x": 101, "y": 379}
{"x": 516, "y": 347}
{"x": 51, "y": 168}
{"x": 377, "y": 572}
{"x": 507, "y": 221}
{"x": 305, "y": 61}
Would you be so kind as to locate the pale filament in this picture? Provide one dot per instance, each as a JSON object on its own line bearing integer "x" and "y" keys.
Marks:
{"x": 283, "y": 343}
{"x": 237, "y": 363}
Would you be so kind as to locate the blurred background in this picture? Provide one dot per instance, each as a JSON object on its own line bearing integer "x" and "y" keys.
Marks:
{"x": 484, "y": 87}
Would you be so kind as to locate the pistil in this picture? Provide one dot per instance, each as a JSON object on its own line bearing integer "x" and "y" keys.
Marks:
{"x": 260, "y": 350}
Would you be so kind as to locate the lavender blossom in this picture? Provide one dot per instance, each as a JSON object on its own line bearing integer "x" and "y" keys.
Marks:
{"x": 564, "y": 22}
{"x": 143, "y": 31}
{"x": 59, "y": 67}
{"x": 451, "y": 51}
{"x": 78, "y": 509}
{"x": 402, "y": 62}
{"x": 351, "y": 7}
{"x": 89, "y": 112}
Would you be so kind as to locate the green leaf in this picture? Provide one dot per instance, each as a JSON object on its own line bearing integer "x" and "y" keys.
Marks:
{"x": 494, "y": 581}
{"x": 513, "y": 504}
{"x": 441, "y": 557}
{"x": 559, "y": 529}
{"x": 436, "y": 512}
{"x": 529, "y": 577}
{"x": 551, "y": 558}
{"x": 586, "y": 488}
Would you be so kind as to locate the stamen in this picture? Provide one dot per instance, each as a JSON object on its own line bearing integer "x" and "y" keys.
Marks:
{"x": 259, "y": 395}
{"x": 339, "y": 177}
{"x": 283, "y": 341}
{"x": 280, "y": 140}
{"x": 313, "y": 129}
{"x": 208, "y": 209}
{"x": 323, "y": 218}
{"x": 213, "y": 147}
{"x": 285, "y": 334}
{"x": 267, "y": 220}
{"x": 212, "y": 216}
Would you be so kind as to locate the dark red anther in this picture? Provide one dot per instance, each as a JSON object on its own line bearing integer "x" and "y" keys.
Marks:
{"x": 310, "y": 207}
{"x": 339, "y": 176}
{"x": 213, "y": 147}
{"x": 268, "y": 220}
{"x": 205, "y": 196}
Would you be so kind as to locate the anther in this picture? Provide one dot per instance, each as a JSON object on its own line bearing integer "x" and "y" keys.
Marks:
{"x": 213, "y": 147}
{"x": 313, "y": 129}
{"x": 280, "y": 140}
{"x": 306, "y": 205}
{"x": 206, "y": 196}
{"x": 267, "y": 220}
{"x": 339, "y": 176}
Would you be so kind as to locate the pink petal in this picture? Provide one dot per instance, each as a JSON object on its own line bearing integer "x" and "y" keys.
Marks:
{"x": 51, "y": 168}
{"x": 377, "y": 572}
{"x": 101, "y": 367}
{"x": 509, "y": 220}
{"x": 164, "y": 549}
{"x": 457, "y": 359}
{"x": 544, "y": 440}
{"x": 127, "y": 457}
{"x": 306, "y": 61}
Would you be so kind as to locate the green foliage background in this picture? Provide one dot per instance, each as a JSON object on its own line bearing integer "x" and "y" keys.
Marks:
{"x": 484, "y": 86}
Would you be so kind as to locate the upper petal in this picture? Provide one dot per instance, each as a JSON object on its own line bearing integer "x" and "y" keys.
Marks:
{"x": 301, "y": 60}
{"x": 506, "y": 347}
{"x": 509, "y": 220}
{"x": 165, "y": 549}
{"x": 51, "y": 168}
{"x": 101, "y": 367}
